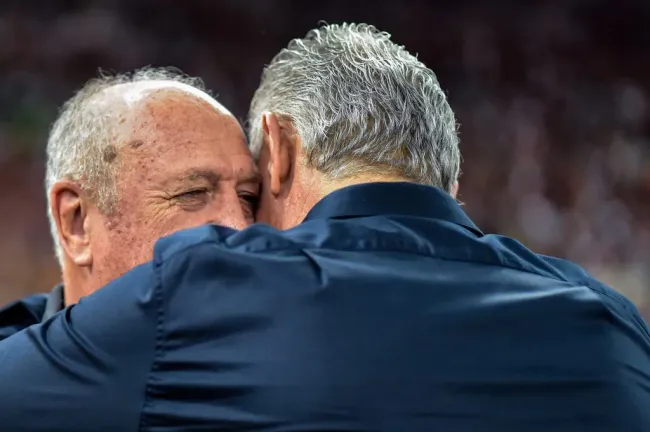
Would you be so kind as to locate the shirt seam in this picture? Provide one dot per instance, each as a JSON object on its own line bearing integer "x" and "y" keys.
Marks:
{"x": 158, "y": 346}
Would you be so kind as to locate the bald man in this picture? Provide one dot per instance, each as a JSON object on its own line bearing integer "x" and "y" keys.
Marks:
{"x": 130, "y": 159}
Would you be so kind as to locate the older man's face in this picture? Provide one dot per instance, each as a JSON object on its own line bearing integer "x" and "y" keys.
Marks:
{"x": 183, "y": 164}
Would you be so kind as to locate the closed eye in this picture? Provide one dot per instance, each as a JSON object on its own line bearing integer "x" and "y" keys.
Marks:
{"x": 249, "y": 205}
{"x": 193, "y": 199}
{"x": 250, "y": 199}
{"x": 191, "y": 194}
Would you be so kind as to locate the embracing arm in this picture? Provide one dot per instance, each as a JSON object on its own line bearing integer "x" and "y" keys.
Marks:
{"x": 86, "y": 368}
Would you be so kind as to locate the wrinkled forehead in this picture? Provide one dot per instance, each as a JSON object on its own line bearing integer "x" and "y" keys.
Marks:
{"x": 134, "y": 93}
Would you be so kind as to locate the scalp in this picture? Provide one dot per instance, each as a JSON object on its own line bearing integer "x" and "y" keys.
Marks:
{"x": 134, "y": 93}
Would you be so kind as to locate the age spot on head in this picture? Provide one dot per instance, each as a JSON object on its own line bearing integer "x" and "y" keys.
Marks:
{"x": 110, "y": 153}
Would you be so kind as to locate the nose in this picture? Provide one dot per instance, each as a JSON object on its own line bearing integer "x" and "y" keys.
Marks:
{"x": 237, "y": 222}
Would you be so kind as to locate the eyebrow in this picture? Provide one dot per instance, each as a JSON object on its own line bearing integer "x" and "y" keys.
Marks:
{"x": 213, "y": 177}
{"x": 193, "y": 175}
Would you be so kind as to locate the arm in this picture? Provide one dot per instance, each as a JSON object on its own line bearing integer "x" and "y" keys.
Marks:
{"x": 86, "y": 368}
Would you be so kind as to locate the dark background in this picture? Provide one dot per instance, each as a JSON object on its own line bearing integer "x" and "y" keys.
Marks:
{"x": 552, "y": 97}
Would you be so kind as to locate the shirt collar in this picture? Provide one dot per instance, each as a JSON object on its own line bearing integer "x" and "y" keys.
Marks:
{"x": 54, "y": 302}
{"x": 401, "y": 199}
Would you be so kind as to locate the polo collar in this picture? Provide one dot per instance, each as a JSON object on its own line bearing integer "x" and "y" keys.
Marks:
{"x": 397, "y": 199}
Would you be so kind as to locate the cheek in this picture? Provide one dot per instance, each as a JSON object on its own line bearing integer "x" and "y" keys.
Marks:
{"x": 133, "y": 246}
{"x": 120, "y": 249}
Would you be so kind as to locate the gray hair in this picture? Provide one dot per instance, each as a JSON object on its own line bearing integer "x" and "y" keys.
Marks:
{"x": 360, "y": 102}
{"x": 81, "y": 143}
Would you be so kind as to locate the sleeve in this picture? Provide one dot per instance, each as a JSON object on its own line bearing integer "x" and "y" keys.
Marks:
{"x": 86, "y": 368}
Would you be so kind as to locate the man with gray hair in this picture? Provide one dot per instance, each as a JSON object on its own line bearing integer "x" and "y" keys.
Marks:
{"x": 130, "y": 159}
{"x": 384, "y": 309}
{"x": 362, "y": 108}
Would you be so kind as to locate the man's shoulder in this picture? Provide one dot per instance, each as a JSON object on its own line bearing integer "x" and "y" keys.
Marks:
{"x": 614, "y": 301}
{"x": 317, "y": 294}
{"x": 417, "y": 236}
{"x": 21, "y": 314}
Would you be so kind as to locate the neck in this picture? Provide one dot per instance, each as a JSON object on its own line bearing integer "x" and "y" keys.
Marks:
{"x": 330, "y": 185}
{"x": 72, "y": 284}
{"x": 313, "y": 186}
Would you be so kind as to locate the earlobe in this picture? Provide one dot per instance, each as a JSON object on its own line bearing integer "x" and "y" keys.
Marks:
{"x": 70, "y": 212}
{"x": 454, "y": 190}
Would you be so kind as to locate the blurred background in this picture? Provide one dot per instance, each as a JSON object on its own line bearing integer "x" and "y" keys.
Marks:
{"x": 552, "y": 98}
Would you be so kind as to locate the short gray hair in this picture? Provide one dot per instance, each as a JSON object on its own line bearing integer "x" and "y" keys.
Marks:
{"x": 360, "y": 102}
{"x": 81, "y": 143}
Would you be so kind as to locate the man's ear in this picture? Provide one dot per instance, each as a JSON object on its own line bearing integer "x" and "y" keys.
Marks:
{"x": 454, "y": 189}
{"x": 69, "y": 208}
{"x": 279, "y": 151}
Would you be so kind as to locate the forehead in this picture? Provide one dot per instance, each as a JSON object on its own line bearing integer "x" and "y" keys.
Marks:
{"x": 170, "y": 115}
{"x": 165, "y": 132}
{"x": 163, "y": 115}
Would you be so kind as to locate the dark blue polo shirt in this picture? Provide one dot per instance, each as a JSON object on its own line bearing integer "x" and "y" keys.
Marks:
{"x": 386, "y": 310}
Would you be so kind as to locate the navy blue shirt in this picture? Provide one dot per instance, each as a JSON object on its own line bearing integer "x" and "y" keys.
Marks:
{"x": 30, "y": 310}
{"x": 386, "y": 310}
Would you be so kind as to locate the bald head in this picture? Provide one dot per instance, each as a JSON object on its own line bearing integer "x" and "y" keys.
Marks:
{"x": 138, "y": 157}
{"x": 145, "y": 107}
{"x": 134, "y": 93}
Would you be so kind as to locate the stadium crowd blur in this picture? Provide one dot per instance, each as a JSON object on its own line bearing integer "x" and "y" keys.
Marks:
{"x": 552, "y": 98}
